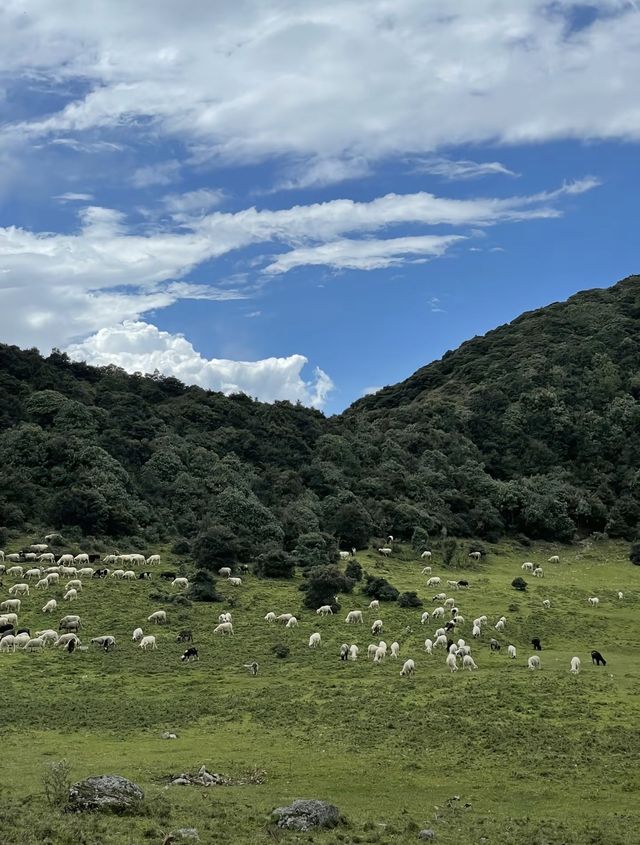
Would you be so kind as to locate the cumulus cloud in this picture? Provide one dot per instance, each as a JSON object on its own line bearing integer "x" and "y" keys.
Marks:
{"x": 137, "y": 346}
{"x": 341, "y": 78}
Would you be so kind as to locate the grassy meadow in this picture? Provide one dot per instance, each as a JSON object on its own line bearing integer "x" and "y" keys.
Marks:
{"x": 536, "y": 758}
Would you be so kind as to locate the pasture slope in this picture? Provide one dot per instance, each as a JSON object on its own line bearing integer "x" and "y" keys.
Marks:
{"x": 541, "y": 758}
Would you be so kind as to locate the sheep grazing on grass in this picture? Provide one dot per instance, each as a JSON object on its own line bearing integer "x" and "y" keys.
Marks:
{"x": 575, "y": 665}
{"x": 468, "y": 662}
{"x": 377, "y": 627}
{"x": 353, "y": 651}
{"x": 428, "y": 646}
{"x": 148, "y": 642}
{"x": 597, "y": 659}
{"x": 189, "y": 655}
{"x": 344, "y": 651}
{"x": 270, "y": 617}
{"x": 546, "y": 604}
{"x": 354, "y": 617}
{"x": 452, "y": 662}
{"x": 374, "y": 605}
{"x": 395, "y": 649}
{"x": 159, "y": 617}
{"x": 594, "y": 601}
{"x": 511, "y": 651}
{"x": 554, "y": 559}
{"x": 138, "y": 634}
{"x": 292, "y": 623}
{"x": 314, "y": 640}
{"x": 408, "y": 669}
{"x": 325, "y": 610}
{"x": 223, "y": 628}
{"x": 533, "y": 662}
{"x": 424, "y": 618}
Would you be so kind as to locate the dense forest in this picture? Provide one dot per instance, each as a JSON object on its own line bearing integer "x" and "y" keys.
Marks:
{"x": 532, "y": 430}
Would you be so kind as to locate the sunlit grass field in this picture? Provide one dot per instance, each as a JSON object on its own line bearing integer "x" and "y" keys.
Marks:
{"x": 536, "y": 758}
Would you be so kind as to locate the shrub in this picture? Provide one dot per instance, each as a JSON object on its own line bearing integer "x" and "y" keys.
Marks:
{"x": 519, "y": 584}
{"x": 380, "y": 588}
{"x": 420, "y": 540}
{"x": 409, "y": 599}
{"x": 321, "y": 585}
{"x": 281, "y": 651}
{"x": 448, "y": 547}
{"x": 181, "y": 547}
{"x": 203, "y": 588}
{"x": 634, "y": 553}
{"x": 275, "y": 563}
{"x": 56, "y": 781}
{"x": 354, "y": 570}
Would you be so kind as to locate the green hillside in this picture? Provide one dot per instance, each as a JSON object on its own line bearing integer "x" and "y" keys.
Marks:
{"x": 531, "y": 431}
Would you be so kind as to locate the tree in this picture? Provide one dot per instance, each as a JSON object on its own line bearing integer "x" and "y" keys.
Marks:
{"x": 353, "y": 570}
{"x": 316, "y": 549}
{"x": 275, "y": 563}
{"x": 321, "y": 585}
{"x": 218, "y": 546}
{"x": 420, "y": 540}
{"x": 202, "y": 587}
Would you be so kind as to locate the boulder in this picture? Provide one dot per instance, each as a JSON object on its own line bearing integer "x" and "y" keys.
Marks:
{"x": 105, "y": 792}
{"x": 305, "y": 814}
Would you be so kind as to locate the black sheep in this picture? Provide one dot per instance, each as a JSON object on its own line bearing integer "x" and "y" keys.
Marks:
{"x": 535, "y": 642}
{"x": 598, "y": 659}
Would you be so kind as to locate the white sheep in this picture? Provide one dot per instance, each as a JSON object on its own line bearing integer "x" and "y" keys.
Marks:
{"x": 47, "y": 557}
{"x": 440, "y": 632}
{"x": 33, "y": 573}
{"x": 8, "y": 643}
{"x": 371, "y": 650}
{"x": 86, "y": 571}
{"x": 450, "y": 603}
{"x": 438, "y": 613}
{"x": 117, "y": 573}
{"x": 182, "y": 583}
{"x": 70, "y": 595}
{"x": 270, "y": 617}
{"x": 594, "y": 601}
{"x": 284, "y": 617}
{"x": 68, "y": 570}
{"x": 453, "y": 585}
{"x": 48, "y": 635}
{"x": 11, "y": 604}
{"x": 452, "y": 662}
{"x": 533, "y": 662}
{"x": 395, "y": 649}
{"x": 64, "y": 559}
{"x": 426, "y": 570}
{"x": 435, "y": 581}
{"x": 21, "y": 640}
{"x": 315, "y": 639}
{"x": 9, "y": 619}
{"x": 440, "y": 640}
{"x": 325, "y": 610}
{"x": 19, "y": 590}
{"x": 476, "y": 632}
{"x": 292, "y": 623}
{"x": 15, "y": 571}
{"x": 379, "y": 655}
{"x": 620, "y": 595}
{"x": 511, "y": 651}
{"x": 50, "y": 606}
{"x": 31, "y": 556}
{"x": 65, "y": 639}
{"x": 475, "y": 555}
{"x": 223, "y": 628}
{"x": 468, "y": 662}
{"x": 453, "y": 649}
{"x": 344, "y": 555}
{"x": 554, "y": 559}
{"x": 353, "y": 651}
{"x": 224, "y": 571}
{"x": 499, "y": 626}
{"x": 33, "y": 644}
{"x": 374, "y": 605}
{"x": 424, "y": 618}
{"x": 129, "y": 575}
{"x": 408, "y": 669}
{"x": 527, "y": 566}
{"x": 148, "y": 642}
{"x": 158, "y": 616}
{"x": 575, "y": 665}
{"x": 138, "y": 634}
{"x": 428, "y": 646}
{"x": 546, "y": 604}
{"x": 235, "y": 582}
{"x": 538, "y": 572}
{"x": 377, "y": 627}
{"x": 53, "y": 577}
{"x": 426, "y": 555}
{"x": 225, "y": 617}
{"x": 74, "y": 584}
{"x": 153, "y": 559}
{"x": 385, "y": 551}
{"x": 354, "y": 617}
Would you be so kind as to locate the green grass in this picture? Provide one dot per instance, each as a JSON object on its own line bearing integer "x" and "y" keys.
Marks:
{"x": 542, "y": 758}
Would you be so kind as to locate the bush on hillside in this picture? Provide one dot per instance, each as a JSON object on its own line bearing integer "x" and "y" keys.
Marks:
{"x": 321, "y": 585}
{"x": 281, "y": 651}
{"x": 202, "y": 587}
{"x": 634, "y": 553}
{"x": 275, "y": 563}
{"x": 181, "y": 546}
{"x": 519, "y": 584}
{"x": 353, "y": 570}
{"x": 379, "y": 588}
{"x": 409, "y": 599}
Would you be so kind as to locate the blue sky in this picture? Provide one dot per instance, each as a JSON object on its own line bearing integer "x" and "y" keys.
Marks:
{"x": 307, "y": 201}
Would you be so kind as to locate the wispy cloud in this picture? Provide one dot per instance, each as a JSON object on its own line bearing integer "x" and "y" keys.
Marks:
{"x": 70, "y": 196}
{"x": 163, "y": 173}
{"x": 461, "y": 170}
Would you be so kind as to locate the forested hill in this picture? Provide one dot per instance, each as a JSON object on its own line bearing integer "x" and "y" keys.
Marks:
{"x": 533, "y": 429}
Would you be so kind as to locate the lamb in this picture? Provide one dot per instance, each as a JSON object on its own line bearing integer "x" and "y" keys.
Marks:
{"x": 158, "y": 616}
{"x": 64, "y": 559}
{"x": 428, "y": 646}
{"x": 598, "y": 659}
{"x": 452, "y": 584}
{"x": 235, "y": 582}
{"x": 426, "y": 570}
{"x": 554, "y": 559}
{"x": 441, "y": 640}
{"x": 575, "y": 665}
{"x": 9, "y": 619}
{"x": 373, "y": 647}
{"x": 468, "y": 662}
{"x": 65, "y": 639}
{"x": 440, "y": 632}
{"x": 546, "y": 604}
{"x": 511, "y": 651}
{"x": 48, "y": 635}
{"x": 476, "y": 632}
{"x": 108, "y": 643}
{"x": 270, "y": 617}
{"x": 152, "y": 559}
{"x": 86, "y": 571}
{"x": 50, "y": 606}
{"x": 19, "y": 590}
{"x": 620, "y": 595}
{"x": 292, "y": 623}
{"x": 138, "y": 634}
{"x": 533, "y": 662}
{"x": 117, "y": 573}
{"x": 439, "y": 597}
{"x": 223, "y": 628}
{"x": 426, "y": 555}
{"x": 377, "y": 627}
{"x": 70, "y": 595}
{"x": 47, "y": 557}
{"x": 148, "y": 642}
{"x": 314, "y": 640}
{"x": 475, "y": 555}
{"x": 380, "y": 655}
{"x": 8, "y": 643}
{"x": 538, "y": 572}
{"x": 224, "y": 572}
{"x": 81, "y": 558}
{"x": 129, "y": 575}
{"x": 395, "y": 649}
{"x": 284, "y": 617}
{"x": 452, "y": 662}
{"x": 499, "y": 626}
{"x": 225, "y": 617}
{"x": 527, "y": 567}
{"x": 374, "y": 605}
{"x": 353, "y": 651}
{"x": 11, "y": 604}
{"x": 324, "y": 610}
{"x": 183, "y": 583}
{"x": 68, "y": 570}
{"x": 344, "y": 651}
{"x": 408, "y": 669}
{"x": 252, "y": 667}
{"x": 20, "y": 640}
{"x": 190, "y": 654}
{"x": 385, "y": 551}
{"x": 34, "y": 644}
{"x": 30, "y": 556}
{"x": 435, "y": 581}
{"x": 424, "y": 618}
{"x": 354, "y": 617}
{"x": 74, "y": 584}
{"x": 594, "y": 601}
{"x": 449, "y": 603}
{"x": 438, "y": 613}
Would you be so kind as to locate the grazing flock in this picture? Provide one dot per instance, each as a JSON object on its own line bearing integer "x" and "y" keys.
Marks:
{"x": 36, "y": 572}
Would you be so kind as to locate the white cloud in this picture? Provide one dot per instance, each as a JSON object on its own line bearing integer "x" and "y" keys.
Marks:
{"x": 141, "y": 347}
{"x": 184, "y": 206}
{"x": 163, "y": 173}
{"x": 73, "y": 197}
{"x": 341, "y": 78}
{"x": 449, "y": 169}
{"x": 320, "y": 172}
{"x": 363, "y": 254}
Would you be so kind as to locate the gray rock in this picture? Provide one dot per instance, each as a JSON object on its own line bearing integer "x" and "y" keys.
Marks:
{"x": 105, "y": 792}
{"x": 306, "y": 813}
{"x": 186, "y": 833}
{"x": 427, "y": 834}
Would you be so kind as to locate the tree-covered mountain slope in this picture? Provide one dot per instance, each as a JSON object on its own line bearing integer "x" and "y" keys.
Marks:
{"x": 532, "y": 429}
